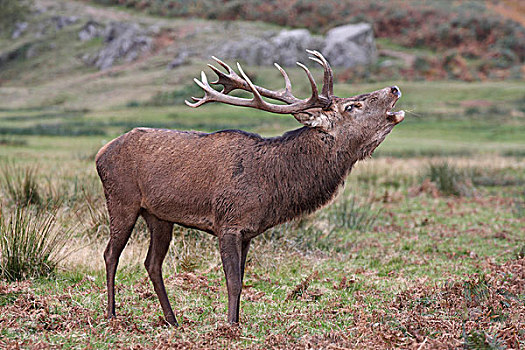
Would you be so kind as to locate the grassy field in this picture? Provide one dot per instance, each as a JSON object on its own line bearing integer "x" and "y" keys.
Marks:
{"x": 423, "y": 249}
{"x": 392, "y": 263}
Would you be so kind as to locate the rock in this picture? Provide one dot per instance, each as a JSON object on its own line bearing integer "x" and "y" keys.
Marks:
{"x": 344, "y": 46}
{"x": 250, "y": 50}
{"x": 285, "y": 47}
{"x": 290, "y": 46}
{"x": 90, "y": 30}
{"x": 179, "y": 60}
{"x": 20, "y": 28}
{"x": 123, "y": 41}
{"x": 350, "y": 45}
{"x": 63, "y": 21}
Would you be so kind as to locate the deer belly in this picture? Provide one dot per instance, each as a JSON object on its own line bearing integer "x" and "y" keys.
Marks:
{"x": 181, "y": 207}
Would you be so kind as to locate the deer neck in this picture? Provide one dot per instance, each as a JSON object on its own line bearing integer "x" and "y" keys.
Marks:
{"x": 309, "y": 167}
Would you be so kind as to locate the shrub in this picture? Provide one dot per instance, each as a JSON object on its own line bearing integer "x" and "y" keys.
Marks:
{"x": 29, "y": 243}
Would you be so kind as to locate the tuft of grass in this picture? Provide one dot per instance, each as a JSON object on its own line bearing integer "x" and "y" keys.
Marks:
{"x": 29, "y": 243}
{"x": 172, "y": 97}
{"x": 476, "y": 290}
{"x": 12, "y": 141}
{"x": 20, "y": 185}
{"x": 353, "y": 215}
{"x": 300, "y": 289}
{"x": 97, "y": 225}
{"x": 449, "y": 180}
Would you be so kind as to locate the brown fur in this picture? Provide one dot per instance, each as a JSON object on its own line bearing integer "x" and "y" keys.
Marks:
{"x": 232, "y": 184}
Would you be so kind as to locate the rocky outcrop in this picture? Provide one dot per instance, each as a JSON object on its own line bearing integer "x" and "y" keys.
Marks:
{"x": 350, "y": 45}
{"x": 344, "y": 46}
{"x": 290, "y": 46}
{"x": 126, "y": 41}
{"x": 285, "y": 47}
{"x": 63, "y": 21}
{"x": 90, "y": 31}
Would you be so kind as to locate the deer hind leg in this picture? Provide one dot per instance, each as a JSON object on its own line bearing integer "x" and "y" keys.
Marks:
{"x": 161, "y": 233}
{"x": 122, "y": 220}
{"x": 233, "y": 255}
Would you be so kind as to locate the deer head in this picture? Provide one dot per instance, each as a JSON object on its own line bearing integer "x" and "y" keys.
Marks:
{"x": 365, "y": 119}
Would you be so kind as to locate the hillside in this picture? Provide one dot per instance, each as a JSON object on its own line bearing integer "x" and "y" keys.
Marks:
{"x": 46, "y": 62}
{"x": 467, "y": 39}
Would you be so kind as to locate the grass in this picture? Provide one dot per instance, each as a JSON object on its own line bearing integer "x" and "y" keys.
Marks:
{"x": 392, "y": 236}
{"x": 21, "y": 185}
{"x": 449, "y": 180}
{"x": 30, "y": 242}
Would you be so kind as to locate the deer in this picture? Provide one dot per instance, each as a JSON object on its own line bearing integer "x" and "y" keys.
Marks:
{"x": 234, "y": 184}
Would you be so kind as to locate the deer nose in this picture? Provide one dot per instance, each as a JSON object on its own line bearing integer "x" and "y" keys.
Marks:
{"x": 395, "y": 90}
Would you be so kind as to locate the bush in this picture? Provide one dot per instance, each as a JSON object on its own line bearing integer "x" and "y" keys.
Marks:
{"x": 29, "y": 243}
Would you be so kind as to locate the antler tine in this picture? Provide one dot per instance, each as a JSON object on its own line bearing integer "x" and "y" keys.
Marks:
{"x": 228, "y": 68}
{"x": 230, "y": 81}
{"x": 328, "y": 84}
{"x": 203, "y": 85}
{"x": 287, "y": 83}
{"x": 313, "y": 85}
{"x": 256, "y": 95}
{"x": 210, "y": 94}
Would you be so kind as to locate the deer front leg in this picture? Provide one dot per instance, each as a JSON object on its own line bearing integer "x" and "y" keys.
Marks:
{"x": 231, "y": 250}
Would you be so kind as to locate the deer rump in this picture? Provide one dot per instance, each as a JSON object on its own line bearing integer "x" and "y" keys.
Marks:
{"x": 233, "y": 184}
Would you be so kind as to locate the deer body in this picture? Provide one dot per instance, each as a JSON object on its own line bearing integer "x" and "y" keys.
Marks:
{"x": 226, "y": 178}
{"x": 233, "y": 184}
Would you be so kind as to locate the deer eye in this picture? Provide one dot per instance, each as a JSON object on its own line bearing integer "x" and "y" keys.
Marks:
{"x": 351, "y": 106}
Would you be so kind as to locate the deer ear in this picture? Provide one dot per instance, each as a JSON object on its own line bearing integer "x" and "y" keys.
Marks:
{"x": 314, "y": 118}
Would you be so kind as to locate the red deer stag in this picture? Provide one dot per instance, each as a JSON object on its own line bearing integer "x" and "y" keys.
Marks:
{"x": 233, "y": 184}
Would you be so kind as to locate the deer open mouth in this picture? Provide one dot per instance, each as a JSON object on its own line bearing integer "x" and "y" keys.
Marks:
{"x": 396, "y": 117}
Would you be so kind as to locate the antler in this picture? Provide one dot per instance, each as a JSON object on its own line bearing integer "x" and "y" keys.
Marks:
{"x": 328, "y": 84}
{"x": 232, "y": 81}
